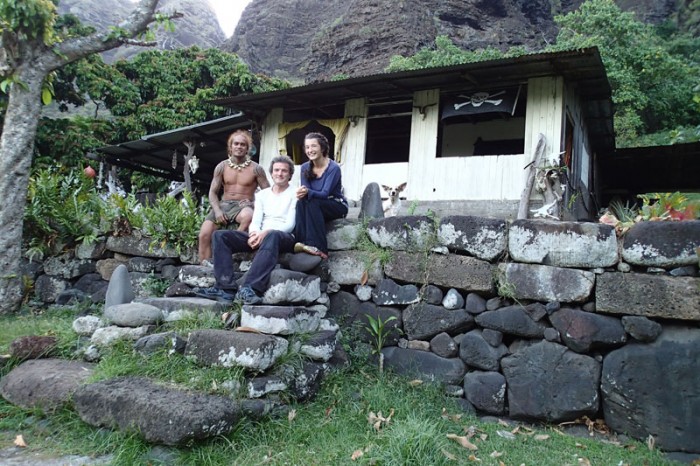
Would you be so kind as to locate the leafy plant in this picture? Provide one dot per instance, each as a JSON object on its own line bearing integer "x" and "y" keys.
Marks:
{"x": 671, "y": 206}
{"x": 377, "y": 328}
{"x": 155, "y": 286}
{"x": 61, "y": 210}
{"x": 379, "y": 332}
{"x": 173, "y": 222}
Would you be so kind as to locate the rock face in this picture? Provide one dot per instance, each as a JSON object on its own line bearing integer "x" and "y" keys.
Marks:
{"x": 335, "y": 37}
{"x": 198, "y": 26}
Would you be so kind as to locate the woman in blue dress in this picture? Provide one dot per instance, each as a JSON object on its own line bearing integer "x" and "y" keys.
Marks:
{"x": 320, "y": 197}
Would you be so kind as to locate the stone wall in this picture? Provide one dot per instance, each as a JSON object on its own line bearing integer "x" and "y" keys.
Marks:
{"x": 537, "y": 320}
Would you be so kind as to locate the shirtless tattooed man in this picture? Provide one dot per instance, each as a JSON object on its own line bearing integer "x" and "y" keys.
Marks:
{"x": 239, "y": 177}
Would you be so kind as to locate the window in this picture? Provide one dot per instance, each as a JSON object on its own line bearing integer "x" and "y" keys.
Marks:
{"x": 388, "y": 132}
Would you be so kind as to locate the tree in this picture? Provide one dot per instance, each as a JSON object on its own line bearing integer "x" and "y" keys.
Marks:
{"x": 30, "y": 50}
{"x": 651, "y": 78}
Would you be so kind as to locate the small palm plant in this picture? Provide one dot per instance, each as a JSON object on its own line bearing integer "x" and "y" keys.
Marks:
{"x": 379, "y": 331}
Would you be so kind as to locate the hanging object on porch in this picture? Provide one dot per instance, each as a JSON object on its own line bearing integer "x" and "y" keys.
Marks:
{"x": 500, "y": 100}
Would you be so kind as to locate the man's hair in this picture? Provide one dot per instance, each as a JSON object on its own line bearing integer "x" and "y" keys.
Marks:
{"x": 283, "y": 159}
{"x": 241, "y": 132}
{"x": 322, "y": 141}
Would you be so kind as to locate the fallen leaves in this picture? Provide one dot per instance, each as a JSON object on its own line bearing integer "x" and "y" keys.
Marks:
{"x": 19, "y": 442}
{"x": 291, "y": 415}
{"x": 356, "y": 454}
{"x": 378, "y": 420}
{"x": 463, "y": 441}
{"x": 598, "y": 426}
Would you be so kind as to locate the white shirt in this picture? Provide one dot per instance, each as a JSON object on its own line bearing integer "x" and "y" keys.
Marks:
{"x": 274, "y": 211}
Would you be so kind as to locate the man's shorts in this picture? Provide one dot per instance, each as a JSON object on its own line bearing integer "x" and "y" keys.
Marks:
{"x": 231, "y": 209}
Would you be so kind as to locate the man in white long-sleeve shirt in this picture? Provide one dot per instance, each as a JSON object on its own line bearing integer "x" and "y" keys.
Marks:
{"x": 270, "y": 233}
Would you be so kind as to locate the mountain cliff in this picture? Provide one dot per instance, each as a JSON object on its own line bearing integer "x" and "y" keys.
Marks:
{"x": 198, "y": 26}
{"x": 314, "y": 40}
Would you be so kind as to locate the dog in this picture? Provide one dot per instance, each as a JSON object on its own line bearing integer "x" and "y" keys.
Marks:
{"x": 393, "y": 204}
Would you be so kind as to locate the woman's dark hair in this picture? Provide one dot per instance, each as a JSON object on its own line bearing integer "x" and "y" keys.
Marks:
{"x": 325, "y": 149}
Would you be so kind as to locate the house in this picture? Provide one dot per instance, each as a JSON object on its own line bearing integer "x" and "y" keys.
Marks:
{"x": 459, "y": 133}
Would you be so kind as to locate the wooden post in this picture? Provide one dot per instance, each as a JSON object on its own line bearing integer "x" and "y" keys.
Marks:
{"x": 530, "y": 178}
{"x": 190, "y": 144}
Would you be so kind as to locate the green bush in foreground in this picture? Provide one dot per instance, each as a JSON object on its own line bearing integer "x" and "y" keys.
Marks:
{"x": 374, "y": 418}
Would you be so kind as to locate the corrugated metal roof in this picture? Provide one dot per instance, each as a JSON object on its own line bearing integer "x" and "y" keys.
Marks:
{"x": 154, "y": 153}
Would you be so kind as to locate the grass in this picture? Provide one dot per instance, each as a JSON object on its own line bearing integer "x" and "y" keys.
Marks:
{"x": 330, "y": 430}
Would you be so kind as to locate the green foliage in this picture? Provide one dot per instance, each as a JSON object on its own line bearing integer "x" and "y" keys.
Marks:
{"x": 61, "y": 210}
{"x": 651, "y": 79}
{"x": 64, "y": 209}
{"x": 29, "y": 19}
{"x": 670, "y": 206}
{"x": 162, "y": 90}
{"x": 173, "y": 222}
{"x": 66, "y": 141}
{"x": 377, "y": 328}
{"x": 155, "y": 286}
{"x": 446, "y": 53}
{"x": 122, "y": 214}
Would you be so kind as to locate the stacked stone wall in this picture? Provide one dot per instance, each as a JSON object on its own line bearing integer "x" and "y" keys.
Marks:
{"x": 537, "y": 320}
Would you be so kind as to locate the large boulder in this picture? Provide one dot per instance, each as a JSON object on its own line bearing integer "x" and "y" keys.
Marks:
{"x": 342, "y": 234}
{"x": 280, "y": 320}
{"x": 157, "y": 413}
{"x": 44, "y": 383}
{"x": 348, "y": 268}
{"x": 550, "y": 382}
{"x": 133, "y": 315}
{"x": 288, "y": 286}
{"x": 486, "y": 391}
{"x": 389, "y": 293}
{"x": 135, "y": 245}
{"x": 654, "y": 389}
{"x": 475, "y": 351}
{"x": 563, "y": 244}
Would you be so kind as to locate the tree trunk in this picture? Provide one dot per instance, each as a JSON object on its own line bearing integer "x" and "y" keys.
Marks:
{"x": 16, "y": 150}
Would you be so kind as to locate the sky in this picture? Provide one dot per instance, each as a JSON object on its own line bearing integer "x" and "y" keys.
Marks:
{"x": 228, "y": 12}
